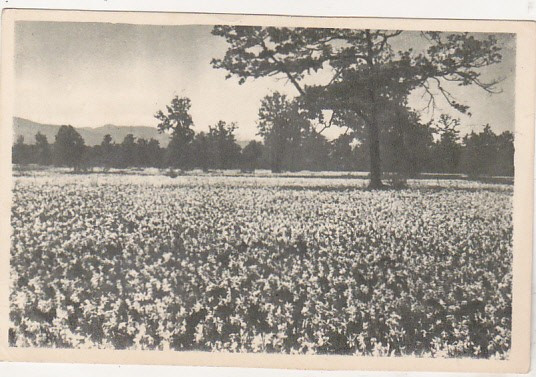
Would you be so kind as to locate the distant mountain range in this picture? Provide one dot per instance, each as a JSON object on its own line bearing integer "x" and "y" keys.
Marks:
{"x": 92, "y": 136}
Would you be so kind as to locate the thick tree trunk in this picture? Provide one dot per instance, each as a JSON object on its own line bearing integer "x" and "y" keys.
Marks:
{"x": 373, "y": 128}
{"x": 375, "y": 161}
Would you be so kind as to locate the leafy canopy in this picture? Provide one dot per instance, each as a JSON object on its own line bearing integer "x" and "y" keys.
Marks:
{"x": 177, "y": 120}
{"x": 366, "y": 73}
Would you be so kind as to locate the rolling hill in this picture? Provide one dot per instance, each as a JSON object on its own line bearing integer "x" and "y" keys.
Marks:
{"x": 92, "y": 136}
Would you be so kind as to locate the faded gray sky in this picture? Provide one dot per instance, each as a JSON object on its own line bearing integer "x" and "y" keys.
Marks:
{"x": 91, "y": 74}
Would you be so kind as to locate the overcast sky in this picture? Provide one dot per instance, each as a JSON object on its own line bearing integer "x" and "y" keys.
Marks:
{"x": 91, "y": 74}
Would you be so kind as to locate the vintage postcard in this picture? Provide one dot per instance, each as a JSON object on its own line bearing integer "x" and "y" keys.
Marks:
{"x": 262, "y": 191}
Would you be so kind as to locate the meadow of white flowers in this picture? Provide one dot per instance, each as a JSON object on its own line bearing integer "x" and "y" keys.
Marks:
{"x": 267, "y": 264}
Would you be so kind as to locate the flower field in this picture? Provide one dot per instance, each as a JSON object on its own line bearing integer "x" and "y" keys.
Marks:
{"x": 269, "y": 264}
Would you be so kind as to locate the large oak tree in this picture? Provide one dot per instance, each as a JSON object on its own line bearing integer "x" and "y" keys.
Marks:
{"x": 367, "y": 77}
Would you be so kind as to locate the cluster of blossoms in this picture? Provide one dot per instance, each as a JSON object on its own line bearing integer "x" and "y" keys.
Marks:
{"x": 242, "y": 264}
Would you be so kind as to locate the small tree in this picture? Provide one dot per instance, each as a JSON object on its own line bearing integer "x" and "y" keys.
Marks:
{"x": 251, "y": 155}
{"x": 20, "y": 151}
{"x": 68, "y": 147}
{"x": 178, "y": 123}
{"x": 129, "y": 151}
{"x": 505, "y": 154}
{"x": 486, "y": 153}
{"x": 406, "y": 144}
{"x": 314, "y": 151}
{"x": 43, "y": 151}
{"x": 225, "y": 152}
{"x": 154, "y": 153}
{"x": 107, "y": 152}
{"x": 447, "y": 150}
{"x": 281, "y": 125}
{"x": 142, "y": 155}
{"x": 341, "y": 154}
{"x": 202, "y": 151}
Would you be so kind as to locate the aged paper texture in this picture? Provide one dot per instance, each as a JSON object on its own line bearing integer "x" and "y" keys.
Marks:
{"x": 266, "y": 191}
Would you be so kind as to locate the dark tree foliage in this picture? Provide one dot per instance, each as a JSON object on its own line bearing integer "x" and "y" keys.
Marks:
{"x": 408, "y": 149}
{"x": 281, "y": 126}
{"x": 129, "y": 151}
{"x": 486, "y": 153}
{"x": 202, "y": 148}
{"x": 368, "y": 78}
{"x": 21, "y": 153}
{"x": 153, "y": 153}
{"x": 69, "y": 147}
{"x": 504, "y": 160}
{"x": 43, "y": 149}
{"x": 406, "y": 144}
{"x": 108, "y": 156}
{"x": 447, "y": 150}
{"x": 314, "y": 152}
{"x": 342, "y": 153}
{"x": 224, "y": 152}
{"x": 251, "y": 156}
{"x": 178, "y": 123}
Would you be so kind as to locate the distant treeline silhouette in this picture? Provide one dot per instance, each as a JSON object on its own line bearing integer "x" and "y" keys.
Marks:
{"x": 476, "y": 154}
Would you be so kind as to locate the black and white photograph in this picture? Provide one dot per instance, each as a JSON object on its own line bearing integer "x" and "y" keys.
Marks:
{"x": 273, "y": 188}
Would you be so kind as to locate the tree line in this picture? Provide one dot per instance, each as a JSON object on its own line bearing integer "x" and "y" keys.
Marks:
{"x": 290, "y": 142}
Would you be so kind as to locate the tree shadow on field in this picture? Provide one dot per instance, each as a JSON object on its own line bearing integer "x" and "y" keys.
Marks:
{"x": 437, "y": 188}
{"x": 323, "y": 188}
{"x": 408, "y": 188}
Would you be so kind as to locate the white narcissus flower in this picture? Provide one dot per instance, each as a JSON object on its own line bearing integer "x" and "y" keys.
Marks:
{"x": 351, "y": 262}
